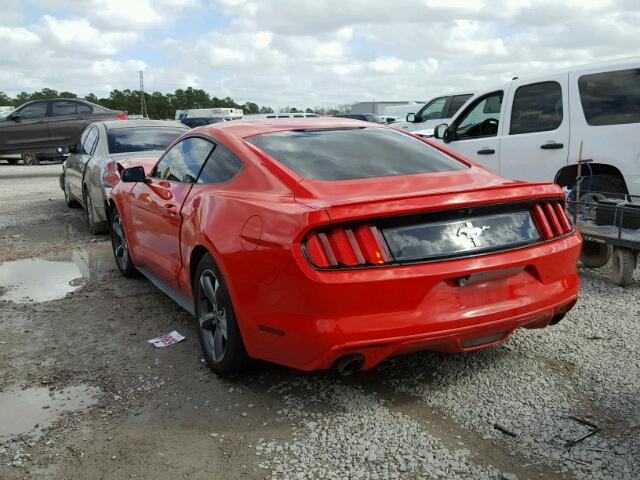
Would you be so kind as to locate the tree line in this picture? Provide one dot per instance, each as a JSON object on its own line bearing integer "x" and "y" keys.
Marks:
{"x": 159, "y": 105}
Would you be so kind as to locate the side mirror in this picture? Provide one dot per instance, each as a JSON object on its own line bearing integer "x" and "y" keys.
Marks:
{"x": 411, "y": 117}
{"x": 133, "y": 174}
{"x": 15, "y": 116}
{"x": 440, "y": 131}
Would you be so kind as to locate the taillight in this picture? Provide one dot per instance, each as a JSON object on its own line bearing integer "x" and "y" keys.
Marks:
{"x": 550, "y": 219}
{"x": 347, "y": 247}
{"x": 110, "y": 176}
{"x": 121, "y": 116}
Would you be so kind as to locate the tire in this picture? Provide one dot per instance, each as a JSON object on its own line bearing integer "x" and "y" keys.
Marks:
{"x": 121, "y": 247}
{"x": 12, "y": 161}
{"x": 623, "y": 263}
{"x": 216, "y": 319}
{"x": 68, "y": 198}
{"x": 94, "y": 227}
{"x": 30, "y": 159}
{"x": 594, "y": 254}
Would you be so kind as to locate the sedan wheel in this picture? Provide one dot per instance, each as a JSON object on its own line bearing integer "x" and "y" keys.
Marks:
{"x": 218, "y": 331}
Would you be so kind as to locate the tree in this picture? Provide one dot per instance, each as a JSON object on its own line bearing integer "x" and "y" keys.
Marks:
{"x": 91, "y": 98}
{"x": 67, "y": 95}
{"x": 5, "y": 99}
{"x": 250, "y": 108}
{"x": 309, "y": 110}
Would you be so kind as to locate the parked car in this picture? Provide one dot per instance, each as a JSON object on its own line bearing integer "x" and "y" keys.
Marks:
{"x": 308, "y": 244}
{"x": 43, "y": 125}
{"x": 193, "y": 122}
{"x": 365, "y": 117}
{"x": 433, "y": 113}
{"x": 532, "y": 128}
{"x": 388, "y": 119}
{"x": 90, "y": 171}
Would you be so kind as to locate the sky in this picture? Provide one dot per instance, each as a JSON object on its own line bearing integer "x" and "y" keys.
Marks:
{"x": 304, "y": 53}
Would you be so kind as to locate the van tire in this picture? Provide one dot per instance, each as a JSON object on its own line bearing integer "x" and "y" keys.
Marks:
{"x": 594, "y": 254}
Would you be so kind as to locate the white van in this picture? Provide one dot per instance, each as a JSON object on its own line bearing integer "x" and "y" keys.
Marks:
{"x": 531, "y": 128}
{"x": 433, "y": 112}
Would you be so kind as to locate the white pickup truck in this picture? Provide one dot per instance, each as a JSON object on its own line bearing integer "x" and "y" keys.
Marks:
{"x": 432, "y": 113}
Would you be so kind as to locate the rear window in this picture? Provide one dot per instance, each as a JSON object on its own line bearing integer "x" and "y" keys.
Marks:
{"x": 611, "y": 98}
{"x": 132, "y": 139}
{"x": 348, "y": 154}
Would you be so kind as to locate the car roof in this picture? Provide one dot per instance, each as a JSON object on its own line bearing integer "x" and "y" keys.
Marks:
{"x": 244, "y": 129}
{"x": 116, "y": 124}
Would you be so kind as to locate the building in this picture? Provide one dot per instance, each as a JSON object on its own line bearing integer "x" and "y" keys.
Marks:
{"x": 376, "y": 107}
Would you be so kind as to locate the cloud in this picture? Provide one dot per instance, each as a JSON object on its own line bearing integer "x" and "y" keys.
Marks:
{"x": 288, "y": 52}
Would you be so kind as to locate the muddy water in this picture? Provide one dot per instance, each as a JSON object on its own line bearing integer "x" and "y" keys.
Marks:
{"x": 43, "y": 279}
{"x": 22, "y": 410}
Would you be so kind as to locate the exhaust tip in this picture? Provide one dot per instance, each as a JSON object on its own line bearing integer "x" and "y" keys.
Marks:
{"x": 349, "y": 364}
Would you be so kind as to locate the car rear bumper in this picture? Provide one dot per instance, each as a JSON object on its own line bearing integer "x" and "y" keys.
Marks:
{"x": 307, "y": 319}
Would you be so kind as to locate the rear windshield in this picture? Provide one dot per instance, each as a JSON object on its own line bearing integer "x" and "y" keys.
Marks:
{"x": 134, "y": 139}
{"x": 353, "y": 153}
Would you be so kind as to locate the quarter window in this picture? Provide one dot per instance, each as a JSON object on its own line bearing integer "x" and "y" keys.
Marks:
{"x": 536, "y": 108}
{"x": 84, "y": 109}
{"x": 611, "y": 98}
{"x": 35, "y": 110}
{"x": 221, "y": 167}
{"x": 183, "y": 162}
{"x": 481, "y": 119}
{"x": 61, "y": 109}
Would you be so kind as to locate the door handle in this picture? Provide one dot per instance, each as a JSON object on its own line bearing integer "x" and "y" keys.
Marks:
{"x": 486, "y": 151}
{"x": 551, "y": 146}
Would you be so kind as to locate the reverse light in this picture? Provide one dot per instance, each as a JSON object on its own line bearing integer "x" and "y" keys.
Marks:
{"x": 347, "y": 247}
{"x": 121, "y": 116}
{"x": 550, "y": 219}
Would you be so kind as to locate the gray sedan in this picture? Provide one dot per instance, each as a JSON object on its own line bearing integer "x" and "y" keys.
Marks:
{"x": 90, "y": 171}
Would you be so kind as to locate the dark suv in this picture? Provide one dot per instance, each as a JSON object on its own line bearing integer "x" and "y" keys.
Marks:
{"x": 44, "y": 125}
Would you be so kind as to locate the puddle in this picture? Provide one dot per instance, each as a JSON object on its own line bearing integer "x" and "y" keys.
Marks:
{"x": 38, "y": 233}
{"x": 46, "y": 278}
{"x": 22, "y": 410}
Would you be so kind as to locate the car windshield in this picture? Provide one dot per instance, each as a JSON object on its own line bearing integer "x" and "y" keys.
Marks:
{"x": 140, "y": 139}
{"x": 353, "y": 153}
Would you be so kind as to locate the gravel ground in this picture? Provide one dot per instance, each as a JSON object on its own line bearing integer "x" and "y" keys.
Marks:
{"x": 159, "y": 413}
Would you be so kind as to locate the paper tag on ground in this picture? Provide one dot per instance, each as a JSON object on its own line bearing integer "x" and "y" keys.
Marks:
{"x": 166, "y": 340}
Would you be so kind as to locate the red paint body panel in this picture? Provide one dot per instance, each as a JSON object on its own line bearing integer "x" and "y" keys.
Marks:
{"x": 254, "y": 227}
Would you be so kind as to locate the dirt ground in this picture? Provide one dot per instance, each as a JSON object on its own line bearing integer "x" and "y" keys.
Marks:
{"x": 91, "y": 399}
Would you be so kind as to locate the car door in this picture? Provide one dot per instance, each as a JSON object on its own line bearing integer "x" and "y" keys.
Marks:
{"x": 535, "y": 144}
{"x": 76, "y": 162}
{"x": 26, "y": 129}
{"x": 65, "y": 124}
{"x": 475, "y": 132}
{"x": 155, "y": 207}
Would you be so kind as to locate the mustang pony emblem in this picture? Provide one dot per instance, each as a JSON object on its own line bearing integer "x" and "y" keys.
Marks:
{"x": 472, "y": 233}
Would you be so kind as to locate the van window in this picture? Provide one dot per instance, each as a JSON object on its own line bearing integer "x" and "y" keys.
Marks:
{"x": 481, "y": 119}
{"x": 536, "y": 108}
{"x": 611, "y": 98}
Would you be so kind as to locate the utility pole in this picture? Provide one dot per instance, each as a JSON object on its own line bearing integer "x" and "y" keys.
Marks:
{"x": 143, "y": 106}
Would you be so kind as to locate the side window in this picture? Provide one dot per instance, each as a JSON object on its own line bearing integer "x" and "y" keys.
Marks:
{"x": 611, "y": 98}
{"x": 183, "y": 162}
{"x": 84, "y": 109}
{"x": 90, "y": 141}
{"x": 61, "y": 109}
{"x": 35, "y": 110}
{"x": 433, "y": 109}
{"x": 221, "y": 167}
{"x": 536, "y": 108}
{"x": 456, "y": 102}
{"x": 481, "y": 119}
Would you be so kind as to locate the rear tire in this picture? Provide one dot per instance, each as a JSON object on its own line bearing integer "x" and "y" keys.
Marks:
{"x": 218, "y": 330}
{"x": 624, "y": 264}
{"x": 30, "y": 159}
{"x": 68, "y": 198}
{"x": 121, "y": 247}
{"x": 12, "y": 161}
{"x": 594, "y": 254}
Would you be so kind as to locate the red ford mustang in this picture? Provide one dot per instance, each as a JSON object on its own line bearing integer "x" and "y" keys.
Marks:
{"x": 337, "y": 243}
